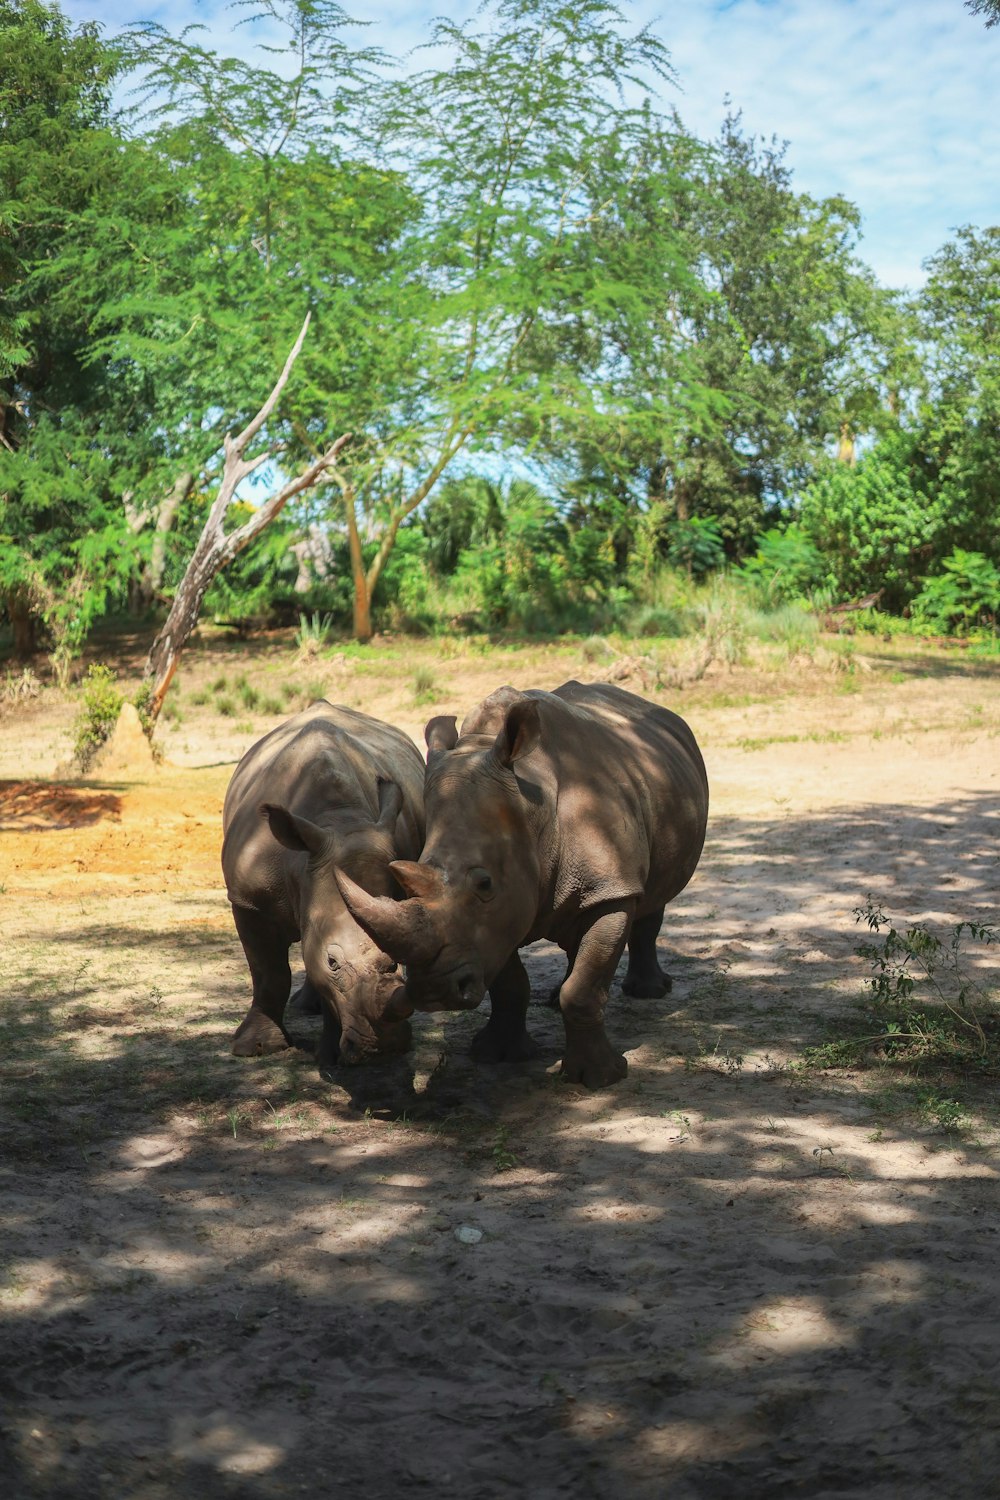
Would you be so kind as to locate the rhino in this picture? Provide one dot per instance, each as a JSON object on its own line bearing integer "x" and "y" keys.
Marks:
{"x": 330, "y": 791}
{"x": 573, "y": 815}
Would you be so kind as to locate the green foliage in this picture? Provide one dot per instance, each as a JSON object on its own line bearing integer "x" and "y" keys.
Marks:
{"x": 875, "y": 526}
{"x": 101, "y": 704}
{"x": 313, "y": 633}
{"x": 785, "y": 566}
{"x": 924, "y": 1006}
{"x": 532, "y": 571}
{"x": 964, "y": 596}
{"x": 695, "y": 545}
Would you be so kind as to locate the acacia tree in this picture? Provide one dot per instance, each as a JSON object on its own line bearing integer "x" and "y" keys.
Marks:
{"x": 505, "y": 149}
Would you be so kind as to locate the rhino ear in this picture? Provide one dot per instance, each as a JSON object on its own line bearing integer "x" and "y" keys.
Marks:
{"x": 294, "y": 832}
{"x": 520, "y": 734}
{"x": 441, "y": 733}
{"x": 390, "y": 803}
{"x": 417, "y": 879}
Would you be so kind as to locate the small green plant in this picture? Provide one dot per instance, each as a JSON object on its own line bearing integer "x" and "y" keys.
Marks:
{"x": 225, "y": 706}
{"x": 249, "y": 694}
{"x": 922, "y": 1004}
{"x": 425, "y": 687}
{"x": 504, "y": 1159}
{"x": 313, "y": 634}
{"x": 898, "y": 960}
{"x": 101, "y": 705}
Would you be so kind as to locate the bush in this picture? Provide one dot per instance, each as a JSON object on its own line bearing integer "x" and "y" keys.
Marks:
{"x": 965, "y": 595}
{"x": 102, "y": 703}
{"x": 695, "y": 545}
{"x": 875, "y": 526}
{"x": 786, "y": 565}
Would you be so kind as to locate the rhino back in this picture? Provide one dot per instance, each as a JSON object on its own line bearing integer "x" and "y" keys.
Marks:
{"x": 631, "y": 800}
{"x": 320, "y": 764}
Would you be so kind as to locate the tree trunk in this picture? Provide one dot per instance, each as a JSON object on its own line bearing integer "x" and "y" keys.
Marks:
{"x": 362, "y": 597}
{"x": 846, "y": 452}
{"x": 23, "y": 623}
{"x": 215, "y": 548}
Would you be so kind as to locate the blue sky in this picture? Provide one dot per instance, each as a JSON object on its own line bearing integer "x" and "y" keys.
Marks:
{"x": 893, "y": 103}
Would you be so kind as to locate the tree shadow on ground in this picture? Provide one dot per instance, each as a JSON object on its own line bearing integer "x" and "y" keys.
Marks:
{"x": 709, "y": 1281}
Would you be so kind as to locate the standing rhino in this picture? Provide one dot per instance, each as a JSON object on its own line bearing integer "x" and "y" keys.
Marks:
{"x": 574, "y": 815}
{"x": 330, "y": 791}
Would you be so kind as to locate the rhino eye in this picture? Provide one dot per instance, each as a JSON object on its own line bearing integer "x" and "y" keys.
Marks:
{"x": 332, "y": 961}
{"x": 482, "y": 883}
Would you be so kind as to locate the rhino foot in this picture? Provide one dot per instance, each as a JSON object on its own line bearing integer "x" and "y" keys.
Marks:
{"x": 646, "y": 987}
{"x": 597, "y": 1066}
{"x": 257, "y": 1036}
{"x": 491, "y": 1045}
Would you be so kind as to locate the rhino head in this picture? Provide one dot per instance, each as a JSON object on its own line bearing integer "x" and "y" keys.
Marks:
{"x": 472, "y": 896}
{"x": 359, "y": 984}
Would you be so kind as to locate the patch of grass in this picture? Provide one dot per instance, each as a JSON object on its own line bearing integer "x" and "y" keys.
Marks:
{"x": 425, "y": 688}
{"x": 925, "y": 1010}
{"x": 249, "y": 694}
{"x": 225, "y": 706}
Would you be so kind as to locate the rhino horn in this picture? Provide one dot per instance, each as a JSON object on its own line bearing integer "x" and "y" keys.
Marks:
{"x": 403, "y": 929}
{"x": 424, "y": 881}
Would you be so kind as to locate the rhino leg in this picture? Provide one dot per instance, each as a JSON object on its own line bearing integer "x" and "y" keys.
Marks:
{"x": 504, "y": 1037}
{"x": 266, "y": 951}
{"x": 589, "y": 1057}
{"x": 644, "y": 978}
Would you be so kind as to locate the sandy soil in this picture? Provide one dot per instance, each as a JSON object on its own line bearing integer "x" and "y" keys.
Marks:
{"x": 729, "y": 1276}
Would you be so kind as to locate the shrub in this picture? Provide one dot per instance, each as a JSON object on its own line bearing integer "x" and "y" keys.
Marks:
{"x": 875, "y": 525}
{"x": 965, "y": 595}
{"x": 101, "y": 704}
{"x": 785, "y": 566}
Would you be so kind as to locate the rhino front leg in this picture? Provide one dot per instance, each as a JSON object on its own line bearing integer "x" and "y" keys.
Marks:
{"x": 590, "y": 1058}
{"x": 644, "y": 978}
{"x": 266, "y": 951}
{"x": 504, "y": 1038}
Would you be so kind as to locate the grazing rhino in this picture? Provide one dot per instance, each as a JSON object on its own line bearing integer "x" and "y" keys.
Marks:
{"x": 574, "y": 815}
{"x": 330, "y": 791}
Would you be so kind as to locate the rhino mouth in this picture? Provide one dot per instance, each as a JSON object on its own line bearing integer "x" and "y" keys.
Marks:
{"x": 459, "y": 988}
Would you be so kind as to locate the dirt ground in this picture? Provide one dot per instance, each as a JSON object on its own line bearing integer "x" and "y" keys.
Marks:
{"x": 730, "y": 1277}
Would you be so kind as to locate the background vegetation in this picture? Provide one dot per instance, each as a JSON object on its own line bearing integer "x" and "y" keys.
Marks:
{"x": 586, "y": 358}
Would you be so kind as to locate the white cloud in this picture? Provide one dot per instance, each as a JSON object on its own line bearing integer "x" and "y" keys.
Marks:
{"x": 892, "y": 103}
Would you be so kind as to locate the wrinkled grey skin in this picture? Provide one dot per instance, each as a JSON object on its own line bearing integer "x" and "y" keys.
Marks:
{"x": 331, "y": 789}
{"x": 575, "y": 816}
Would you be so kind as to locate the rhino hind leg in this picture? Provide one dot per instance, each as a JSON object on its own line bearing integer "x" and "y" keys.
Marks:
{"x": 504, "y": 1038}
{"x": 644, "y": 979}
{"x": 261, "y": 1032}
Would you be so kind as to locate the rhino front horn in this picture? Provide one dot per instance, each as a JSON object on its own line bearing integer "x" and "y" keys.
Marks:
{"x": 403, "y": 929}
